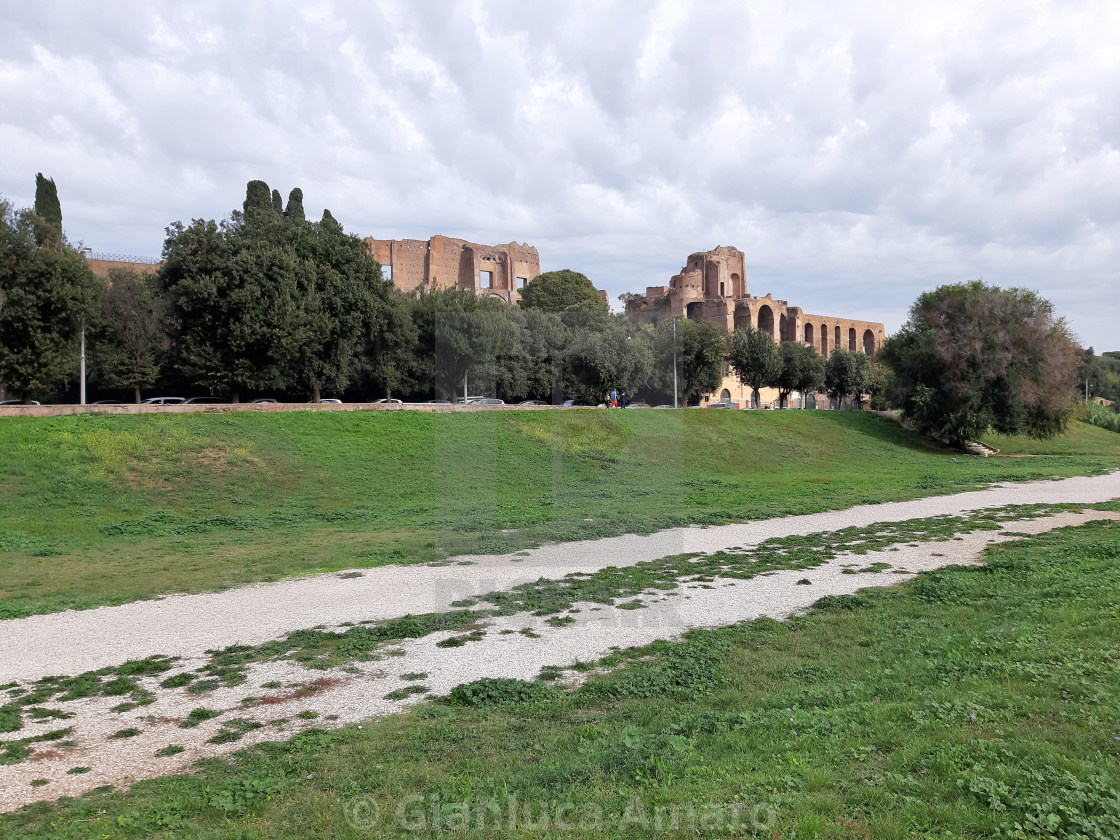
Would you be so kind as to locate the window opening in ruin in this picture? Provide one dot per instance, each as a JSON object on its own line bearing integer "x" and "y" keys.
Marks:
{"x": 735, "y": 290}
{"x": 766, "y": 320}
{"x": 824, "y": 341}
{"x": 387, "y": 272}
{"x": 869, "y": 342}
{"x": 721, "y": 291}
{"x": 486, "y": 279}
{"x": 521, "y": 281}
{"x": 809, "y": 334}
{"x": 852, "y": 338}
{"x": 725, "y": 396}
{"x": 836, "y": 340}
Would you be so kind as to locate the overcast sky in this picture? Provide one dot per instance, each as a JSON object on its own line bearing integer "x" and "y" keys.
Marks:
{"x": 859, "y": 153}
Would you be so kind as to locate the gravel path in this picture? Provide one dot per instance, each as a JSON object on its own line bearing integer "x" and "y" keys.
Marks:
{"x": 72, "y": 642}
{"x": 281, "y": 689}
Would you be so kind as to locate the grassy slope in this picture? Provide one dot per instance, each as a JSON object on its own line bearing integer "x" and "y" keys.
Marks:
{"x": 960, "y": 705}
{"x": 102, "y": 509}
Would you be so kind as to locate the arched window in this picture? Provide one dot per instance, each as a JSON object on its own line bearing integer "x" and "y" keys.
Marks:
{"x": 766, "y": 319}
{"x": 725, "y": 396}
{"x": 809, "y": 334}
{"x": 824, "y": 340}
{"x": 869, "y": 342}
{"x": 836, "y": 340}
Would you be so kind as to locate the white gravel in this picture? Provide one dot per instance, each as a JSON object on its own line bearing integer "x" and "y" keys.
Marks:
{"x": 186, "y": 625}
{"x": 354, "y": 697}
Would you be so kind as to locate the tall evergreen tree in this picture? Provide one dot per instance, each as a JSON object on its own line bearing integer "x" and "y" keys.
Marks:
{"x": 802, "y": 370}
{"x": 294, "y": 210}
{"x": 47, "y": 206}
{"x": 46, "y": 290}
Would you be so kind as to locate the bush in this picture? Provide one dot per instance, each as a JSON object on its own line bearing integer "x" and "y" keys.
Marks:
{"x": 492, "y": 691}
{"x": 1103, "y": 416}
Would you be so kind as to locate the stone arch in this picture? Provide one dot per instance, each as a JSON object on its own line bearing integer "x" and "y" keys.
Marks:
{"x": 869, "y": 342}
{"x": 766, "y": 319}
{"x": 742, "y": 316}
{"x": 852, "y": 339}
{"x": 809, "y": 336}
{"x": 736, "y": 291}
{"x": 785, "y": 327}
{"x": 824, "y": 340}
{"x": 725, "y": 396}
{"x": 694, "y": 310}
{"x": 836, "y": 338}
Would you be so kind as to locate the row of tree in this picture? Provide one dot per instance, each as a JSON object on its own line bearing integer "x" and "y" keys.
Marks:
{"x": 267, "y": 302}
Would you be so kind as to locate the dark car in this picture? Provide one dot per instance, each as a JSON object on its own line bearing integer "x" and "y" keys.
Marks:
{"x": 19, "y": 402}
{"x": 264, "y": 401}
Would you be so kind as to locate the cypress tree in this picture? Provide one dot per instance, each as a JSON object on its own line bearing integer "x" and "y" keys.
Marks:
{"x": 295, "y": 205}
{"x": 277, "y": 202}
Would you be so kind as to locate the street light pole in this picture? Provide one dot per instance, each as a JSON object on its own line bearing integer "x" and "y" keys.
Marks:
{"x": 675, "y": 363}
{"x": 82, "y": 365}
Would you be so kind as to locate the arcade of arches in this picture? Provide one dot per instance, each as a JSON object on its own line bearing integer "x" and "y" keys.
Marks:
{"x": 712, "y": 287}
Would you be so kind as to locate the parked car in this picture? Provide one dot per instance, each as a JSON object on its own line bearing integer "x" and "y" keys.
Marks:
{"x": 637, "y": 405}
{"x": 107, "y": 402}
{"x": 206, "y": 401}
{"x": 19, "y": 402}
{"x": 264, "y": 401}
{"x": 437, "y": 402}
{"x": 164, "y": 401}
{"x": 528, "y": 403}
{"x": 663, "y": 405}
{"x": 385, "y": 402}
{"x": 330, "y": 401}
{"x": 720, "y": 405}
{"x": 467, "y": 400}
{"x": 487, "y": 401}
{"x": 576, "y": 404}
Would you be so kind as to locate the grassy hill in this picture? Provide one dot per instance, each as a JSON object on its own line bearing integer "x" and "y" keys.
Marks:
{"x": 102, "y": 509}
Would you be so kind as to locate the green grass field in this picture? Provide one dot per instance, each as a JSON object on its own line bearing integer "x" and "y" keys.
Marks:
{"x": 102, "y": 509}
{"x": 969, "y": 703}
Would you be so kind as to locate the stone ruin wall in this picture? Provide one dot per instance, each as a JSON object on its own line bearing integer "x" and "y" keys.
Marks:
{"x": 443, "y": 262}
{"x": 712, "y": 287}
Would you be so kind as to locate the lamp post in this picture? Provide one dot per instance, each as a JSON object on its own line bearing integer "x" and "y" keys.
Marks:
{"x": 675, "y": 363}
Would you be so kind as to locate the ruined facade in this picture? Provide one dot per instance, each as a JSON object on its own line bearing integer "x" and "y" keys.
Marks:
{"x": 712, "y": 287}
{"x": 442, "y": 262}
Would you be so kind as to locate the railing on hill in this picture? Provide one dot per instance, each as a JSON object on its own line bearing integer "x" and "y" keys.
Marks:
{"x": 125, "y": 258}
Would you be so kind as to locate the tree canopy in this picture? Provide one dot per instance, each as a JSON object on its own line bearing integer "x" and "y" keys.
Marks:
{"x": 755, "y": 358}
{"x": 699, "y": 348}
{"x": 802, "y": 370}
{"x": 847, "y": 373}
{"x": 562, "y": 291}
{"x": 128, "y": 340}
{"x": 46, "y": 292}
{"x": 973, "y": 357}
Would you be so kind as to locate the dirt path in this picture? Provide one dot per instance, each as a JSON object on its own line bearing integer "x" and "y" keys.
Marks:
{"x": 72, "y": 642}
{"x": 281, "y": 698}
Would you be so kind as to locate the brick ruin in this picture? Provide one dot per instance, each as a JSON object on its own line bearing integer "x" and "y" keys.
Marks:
{"x": 441, "y": 262}
{"x": 712, "y": 287}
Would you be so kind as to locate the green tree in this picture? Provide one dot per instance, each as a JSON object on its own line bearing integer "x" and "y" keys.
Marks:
{"x": 973, "y": 357}
{"x": 755, "y": 358}
{"x": 391, "y": 336}
{"x": 605, "y": 352}
{"x": 562, "y": 291}
{"x": 46, "y": 291}
{"x": 460, "y": 334}
{"x": 47, "y": 207}
{"x": 128, "y": 340}
{"x": 294, "y": 210}
{"x": 338, "y": 303}
{"x": 802, "y": 370}
{"x": 847, "y": 374}
{"x": 700, "y": 349}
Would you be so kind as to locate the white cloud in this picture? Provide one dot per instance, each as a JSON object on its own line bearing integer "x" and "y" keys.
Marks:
{"x": 859, "y": 153}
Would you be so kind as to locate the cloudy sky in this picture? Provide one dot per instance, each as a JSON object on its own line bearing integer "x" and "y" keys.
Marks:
{"x": 858, "y": 152}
